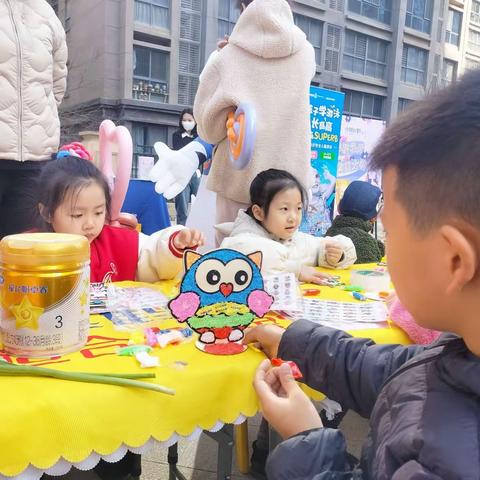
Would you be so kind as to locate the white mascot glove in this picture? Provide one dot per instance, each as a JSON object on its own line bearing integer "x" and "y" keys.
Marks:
{"x": 175, "y": 168}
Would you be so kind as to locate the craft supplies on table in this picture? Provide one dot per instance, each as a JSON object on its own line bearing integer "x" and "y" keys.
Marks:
{"x": 130, "y": 307}
{"x": 128, "y": 319}
{"x": 126, "y": 414}
{"x": 371, "y": 280}
{"x": 98, "y": 298}
{"x": 344, "y": 315}
{"x": 120, "y": 297}
{"x": 284, "y": 288}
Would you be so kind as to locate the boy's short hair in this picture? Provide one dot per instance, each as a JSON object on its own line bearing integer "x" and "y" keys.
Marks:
{"x": 435, "y": 149}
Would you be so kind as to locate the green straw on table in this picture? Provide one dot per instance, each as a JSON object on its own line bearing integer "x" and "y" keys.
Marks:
{"x": 124, "y": 380}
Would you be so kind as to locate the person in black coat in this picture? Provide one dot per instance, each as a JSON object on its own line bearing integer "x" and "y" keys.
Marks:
{"x": 186, "y": 133}
{"x": 358, "y": 210}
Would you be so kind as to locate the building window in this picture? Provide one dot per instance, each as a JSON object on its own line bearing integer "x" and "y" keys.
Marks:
{"x": 419, "y": 15}
{"x": 153, "y": 12}
{"x": 228, "y": 14}
{"x": 475, "y": 12}
{"x": 365, "y": 55}
{"x": 332, "y": 50}
{"x": 449, "y": 72}
{"x": 143, "y": 137}
{"x": 403, "y": 104}
{"x": 314, "y": 31}
{"x": 150, "y": 74}
{"x": 363, "y": 104}
{"x": 380, "y": 10}
{"x": 414, "y": 65}
{"x": 190, "y": 55}
{"x": 338, "y": 5}
{"x": 454, "y": 26}
{"x": 474, "y": 40}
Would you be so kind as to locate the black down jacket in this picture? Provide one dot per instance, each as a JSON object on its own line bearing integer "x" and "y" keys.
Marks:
{"x": 423, "y": 404}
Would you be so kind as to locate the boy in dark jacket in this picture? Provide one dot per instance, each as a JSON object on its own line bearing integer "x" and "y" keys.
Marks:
{"x": 358, "y": 213}
{"x": 423, "y": 402}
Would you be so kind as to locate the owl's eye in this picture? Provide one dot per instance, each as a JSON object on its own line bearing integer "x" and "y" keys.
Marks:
{"x": 213, "y": 277}
{"x": 241, "y": 277}
{"x": 209, "y": 275}
{"x": 239, "y": 273}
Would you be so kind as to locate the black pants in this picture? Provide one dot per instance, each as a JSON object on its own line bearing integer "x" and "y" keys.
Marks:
{"x": 18, "y": 195}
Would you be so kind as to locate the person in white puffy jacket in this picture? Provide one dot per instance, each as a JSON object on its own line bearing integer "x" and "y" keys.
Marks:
{"x": 33, "y": 74}
{"x": 271, "y": 225}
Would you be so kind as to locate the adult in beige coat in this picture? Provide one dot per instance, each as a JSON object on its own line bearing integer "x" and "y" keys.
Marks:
{"x": 33, "y": 72}
{"x": 268, "y": 63}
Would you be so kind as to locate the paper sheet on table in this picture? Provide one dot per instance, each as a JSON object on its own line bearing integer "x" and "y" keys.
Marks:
{"x": 344, "y": 315}
{"x": 284, "y": 288}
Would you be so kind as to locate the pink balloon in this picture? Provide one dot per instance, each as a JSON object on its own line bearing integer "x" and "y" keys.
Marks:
{"x": 109, "y": 134}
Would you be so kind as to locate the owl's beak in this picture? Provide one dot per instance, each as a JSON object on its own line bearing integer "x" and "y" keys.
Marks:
{"x": 226, "y": 289}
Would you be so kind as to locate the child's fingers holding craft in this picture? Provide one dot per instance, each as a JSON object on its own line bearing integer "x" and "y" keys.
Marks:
{"x": 284, "y": 404}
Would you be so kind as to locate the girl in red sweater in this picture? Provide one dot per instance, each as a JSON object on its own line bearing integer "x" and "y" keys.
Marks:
{"x": 74, "y": 198}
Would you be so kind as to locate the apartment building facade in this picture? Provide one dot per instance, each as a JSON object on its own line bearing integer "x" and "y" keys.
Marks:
{"x": 137, "y": 62}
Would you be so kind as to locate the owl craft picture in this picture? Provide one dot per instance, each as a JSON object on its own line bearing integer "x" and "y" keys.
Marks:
{"x": 221, "y": 294}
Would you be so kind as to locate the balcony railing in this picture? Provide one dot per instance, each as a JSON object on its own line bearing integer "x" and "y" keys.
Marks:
{"x": 151, "y": 91}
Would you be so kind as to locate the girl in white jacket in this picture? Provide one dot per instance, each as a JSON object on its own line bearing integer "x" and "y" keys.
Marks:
{"x": 271, "y": 225}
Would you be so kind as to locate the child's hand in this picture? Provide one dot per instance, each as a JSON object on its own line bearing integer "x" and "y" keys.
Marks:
{"x": 187, "y": 238}
{"x": 268, "y": 336}
{"x": 312, "y": 275}
{"x": 333, "y": 253}
{"x": 283, "y": 403}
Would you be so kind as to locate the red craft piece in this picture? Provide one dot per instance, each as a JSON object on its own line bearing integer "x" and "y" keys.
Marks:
{"x": 296, "y": 373}
{"x": 311, "y": 292}
{"x": 224, "y": 348}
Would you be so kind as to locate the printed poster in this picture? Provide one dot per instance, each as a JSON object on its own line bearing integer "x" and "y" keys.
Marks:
{"x": 326, "y": 108}
{"x": 358, "y": 138}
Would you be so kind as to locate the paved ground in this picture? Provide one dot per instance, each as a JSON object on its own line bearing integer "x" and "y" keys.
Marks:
{"x": 197, "y": 460}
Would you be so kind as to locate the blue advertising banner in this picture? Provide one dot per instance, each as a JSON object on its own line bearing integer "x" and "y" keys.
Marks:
{"x": 326, "y": 108}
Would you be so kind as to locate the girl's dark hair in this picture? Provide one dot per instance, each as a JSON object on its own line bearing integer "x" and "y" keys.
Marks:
{"x": 66, "y": 176}
{"x": 268, "y": 183}
{"x": 181, "y": 129}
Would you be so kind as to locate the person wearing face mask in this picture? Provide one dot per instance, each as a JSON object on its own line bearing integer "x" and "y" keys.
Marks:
{"x": 182, "y": 137}
{"x": 358, "y": 210}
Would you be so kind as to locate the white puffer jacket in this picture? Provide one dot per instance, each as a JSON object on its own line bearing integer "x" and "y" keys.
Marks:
{"x": 33, "y": 74}
{"x": 247, "y": 236}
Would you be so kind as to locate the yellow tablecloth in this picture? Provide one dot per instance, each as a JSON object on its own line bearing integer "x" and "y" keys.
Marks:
{"x": 45, "y": 420}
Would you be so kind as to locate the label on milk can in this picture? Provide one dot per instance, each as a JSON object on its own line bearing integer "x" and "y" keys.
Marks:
{"x": 44, "y": 314}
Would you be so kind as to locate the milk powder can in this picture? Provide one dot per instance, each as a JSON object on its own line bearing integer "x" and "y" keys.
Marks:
{"x": 44, "y": 293}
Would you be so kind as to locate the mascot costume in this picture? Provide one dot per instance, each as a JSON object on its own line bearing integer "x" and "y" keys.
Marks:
{"x": 252, "y": 104}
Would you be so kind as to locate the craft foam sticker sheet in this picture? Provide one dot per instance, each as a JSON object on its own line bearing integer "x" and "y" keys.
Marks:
{"x": 284, "y": 288}
{"x": 344, "y": 315}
